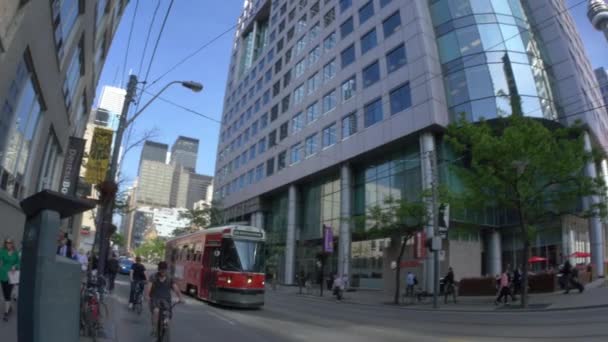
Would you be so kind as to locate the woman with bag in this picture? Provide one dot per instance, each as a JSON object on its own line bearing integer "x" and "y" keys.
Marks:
{"x": 9, "y": 266}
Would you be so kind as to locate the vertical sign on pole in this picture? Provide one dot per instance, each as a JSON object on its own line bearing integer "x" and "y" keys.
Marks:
{"x": 328, "y": 239}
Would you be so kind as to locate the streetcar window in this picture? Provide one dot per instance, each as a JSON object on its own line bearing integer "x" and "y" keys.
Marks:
{"x": 242, "y": 255}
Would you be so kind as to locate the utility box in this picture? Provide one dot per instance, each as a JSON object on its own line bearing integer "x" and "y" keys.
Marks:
{"x": 49, "y": 289}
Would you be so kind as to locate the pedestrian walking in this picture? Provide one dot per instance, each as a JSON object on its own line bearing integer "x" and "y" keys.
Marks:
{"x": 111, "y": 271}
{"x": 82, "y": 259}
{"x": 516, "y": 283}
{"x": 410, "y": 283}
{"x": 503, "y": 288}
{"x": 571, "y": 274}
{"x": 450, "y": 285}
{"x": 64, "y": 247}
{"x": 9, "y": 268}
{"x": 338, "y": 286}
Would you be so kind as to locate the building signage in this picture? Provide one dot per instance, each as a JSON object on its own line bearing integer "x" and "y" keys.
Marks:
{"x": 71, "y": 166}
{"x": 419, "y": 245}
{"x": 328, "y": 239}
{"x": 99, "y": 155}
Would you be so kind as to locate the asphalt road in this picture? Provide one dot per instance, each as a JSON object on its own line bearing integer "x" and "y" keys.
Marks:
{"x": 293, "y": 318}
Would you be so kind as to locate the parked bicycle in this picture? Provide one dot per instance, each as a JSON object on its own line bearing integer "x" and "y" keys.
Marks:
{"x": 164, "y": 320}
{"x": 91, "y": 310}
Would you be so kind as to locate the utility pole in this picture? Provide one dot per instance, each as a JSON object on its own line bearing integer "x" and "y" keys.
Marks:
{"x": 436, "y": 236}
{"x": 109, "y": 187}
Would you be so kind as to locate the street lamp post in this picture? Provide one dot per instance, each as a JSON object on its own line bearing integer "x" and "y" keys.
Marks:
{"x": 597, "y": 12}
{"x": 108, "y": 188}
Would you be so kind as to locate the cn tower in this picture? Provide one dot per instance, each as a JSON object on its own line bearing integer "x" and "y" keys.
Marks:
{"x": 597, "y": 13}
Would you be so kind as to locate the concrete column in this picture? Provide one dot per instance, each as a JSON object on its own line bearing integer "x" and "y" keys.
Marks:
{"x": 290, "y": 241}
{"x": 494, "y": 253}
{"x": 344, "y": 243}
{"x": 427, "y": 145}
{"x": 596, "y": 236}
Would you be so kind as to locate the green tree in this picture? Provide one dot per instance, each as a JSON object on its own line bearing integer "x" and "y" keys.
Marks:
{"x": 118, "y": 240}
{"x": 398, "y": 219}
{"x": 152, "y": 250}
{"x": 208, "y": 216}
{"x": 520, "y": 164}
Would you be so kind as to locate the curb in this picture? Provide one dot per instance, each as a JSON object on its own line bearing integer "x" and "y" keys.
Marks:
{"x": 495, "y": 310}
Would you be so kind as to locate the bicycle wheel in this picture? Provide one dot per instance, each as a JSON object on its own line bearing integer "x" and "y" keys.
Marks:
{"x": 160, "y": 329}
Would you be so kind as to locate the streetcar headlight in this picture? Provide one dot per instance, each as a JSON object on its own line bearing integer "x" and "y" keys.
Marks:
{"x": 229, "y": 281}
{"x": 249, "y": 280}
{"x": 263, "y": 282}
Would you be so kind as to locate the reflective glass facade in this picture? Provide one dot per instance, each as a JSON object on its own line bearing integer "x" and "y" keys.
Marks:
{"x": 491, "y": 63}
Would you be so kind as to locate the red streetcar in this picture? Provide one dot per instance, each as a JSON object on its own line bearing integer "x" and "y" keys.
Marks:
{"x": 223, "y": 265}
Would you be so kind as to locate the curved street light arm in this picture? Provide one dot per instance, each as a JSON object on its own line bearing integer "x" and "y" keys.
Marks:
{"x": 130, "y": 120}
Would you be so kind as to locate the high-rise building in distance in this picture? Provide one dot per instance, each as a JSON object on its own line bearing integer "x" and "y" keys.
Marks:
{"x": 602, "y": 79}
{"x": 184, "y": 152}
{"x": 332, "y": 106}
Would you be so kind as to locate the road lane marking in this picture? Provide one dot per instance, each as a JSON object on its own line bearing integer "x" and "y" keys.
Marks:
{"x": 218, "y": 316}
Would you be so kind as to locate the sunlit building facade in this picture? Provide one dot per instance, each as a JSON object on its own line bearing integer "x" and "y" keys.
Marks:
{"x": 332, "y": 106}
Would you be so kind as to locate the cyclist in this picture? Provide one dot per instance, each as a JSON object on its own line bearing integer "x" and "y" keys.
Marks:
{"x": 138, "y": 280}
{"x": 159, "y": 292}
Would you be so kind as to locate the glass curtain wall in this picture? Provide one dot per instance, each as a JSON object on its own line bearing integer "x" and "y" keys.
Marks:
{"x": 491, "y": 63}
{"x": 397, "y": 176}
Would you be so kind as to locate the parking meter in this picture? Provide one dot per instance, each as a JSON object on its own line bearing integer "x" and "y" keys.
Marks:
{"x": 49, "y": 285}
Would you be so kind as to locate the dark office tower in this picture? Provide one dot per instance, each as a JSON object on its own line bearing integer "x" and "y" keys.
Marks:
{"x": 184, "y": 152}
{"x": 154, "y": 151}
{"x": 198, "y": 187}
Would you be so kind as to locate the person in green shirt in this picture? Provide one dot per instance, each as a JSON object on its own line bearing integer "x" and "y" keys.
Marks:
{"x": 9, "y": 262}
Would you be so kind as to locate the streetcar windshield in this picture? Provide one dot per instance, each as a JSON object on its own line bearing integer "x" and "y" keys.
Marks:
{"x": 242, "y": 255}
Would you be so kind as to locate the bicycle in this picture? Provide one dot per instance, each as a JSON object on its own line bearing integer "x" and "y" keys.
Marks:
{"x": 139, "y": 297}
{"x": 91, "y": 311}
{"x": 164, "y": 318}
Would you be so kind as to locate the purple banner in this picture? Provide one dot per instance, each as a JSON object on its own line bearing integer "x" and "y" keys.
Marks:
{"x": 328, "y": 239}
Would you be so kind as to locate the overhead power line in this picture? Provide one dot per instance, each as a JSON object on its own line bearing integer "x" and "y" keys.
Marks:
{"x": 143, "y": 54}
{"x": 124, "y": 63}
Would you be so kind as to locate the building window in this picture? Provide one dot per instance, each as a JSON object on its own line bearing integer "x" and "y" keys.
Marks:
{"x": 383, "y": 3}
{"x": 297, "y": 123}
{"x": 373, "y": 112}
{"x": 290, "y": 34}
{"x": 296, "y": 153}
{"x": 329, "y": 101}
{"x": 369, "y": 41}
{"x": 391, "y": 24}
{"x": 329, "y": 17}
{"x": 348, "y": 56}
{"x": 301, "y": 27}
{"x": 18, "y": 128}
{"x": 287, "y": 56}
{"x": 282, "y": 160}
{"x": 329, "y": 135}
{"x": 285, "y": 103}
{"x": 313, "y": 83}
{"x": 283, "y": 130}
{"x": 278, "y": 66}
{"x": 311, "y": 145}
{"x": 286, "y": 79}
{"x": 346, "y": 28}
{"x": 254, "y": 128}
{"x": 312, "y": 112}
{"x": 314, "y": 31}
{"x": 300, "y": 45}
{"x": 371, "y": 74}
{"x": 298, "y": 94}
{"x": 272, "y": 139}
{"x": 52, "y": 155}
{"x": 72, "y": 76}
{"x": 266, "y": 97}
{"x": 262, "y": 146}
{"x": 400, "y": 98}
{"x": 250, "y": 177}
{"x": 349, "y": 125}
{"x": 349, "y": 87}
{"x": 270, "y": 167}
{"x": 252, "y": 152}
{"x": 276, "y": 88}
{"x": 329, "y": 70}
{"x": 259, "y": 172}
{"x": 263, "y": 121}
{"x": 329, "y": 42}
{"x": 65, "y": 13}
{"x": 300, "y": 67}
{"x": 345, "y": 4}
{"x": 314, "y": 9}
{"x": 314, "y": 55}
{"x": 366, "y": 12}
{"x": 396, "y": 58}
{"x": 274, "y": 112}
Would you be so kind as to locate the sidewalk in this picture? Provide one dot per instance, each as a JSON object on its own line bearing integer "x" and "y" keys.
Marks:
{"x": 595, "y": 295}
